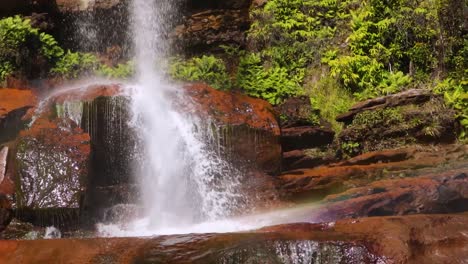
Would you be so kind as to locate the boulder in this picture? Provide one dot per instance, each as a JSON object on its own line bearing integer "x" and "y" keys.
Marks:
{"x": 14, "y": 104}
{"x": 246, "y": 126}
{"x": 51, "y": 164}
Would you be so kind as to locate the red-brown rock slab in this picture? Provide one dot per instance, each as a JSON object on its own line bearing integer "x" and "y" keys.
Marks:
{"x": 248, "y": 125}
{"x": 88, "y": 93}
{"x": 396, "y": 239}
{"x": 361, "y": 170}
{"x": 234, "y": 108}
{"x": 445, "y": 192}
{"x": 14, "y": 99}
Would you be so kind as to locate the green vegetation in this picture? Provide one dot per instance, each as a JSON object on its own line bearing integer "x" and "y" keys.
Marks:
{"x": 350, "y": 148}
{"x": 336, "y": 52}
{"x": 456, "y": 96}
{"x": 76, "y": 64}
{"x": 341, "y": 51}
{"x": 20, "y": 43}
{"x": 379, "y": 117}
{"x": 208, "y": 69}
{"x": 21, "y": 46}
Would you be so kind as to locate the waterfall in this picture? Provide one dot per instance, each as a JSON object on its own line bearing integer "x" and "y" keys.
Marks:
{"x": 183, "y": 180}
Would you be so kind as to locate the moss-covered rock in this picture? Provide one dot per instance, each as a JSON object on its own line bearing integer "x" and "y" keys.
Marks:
{"x": 390, "y": 125}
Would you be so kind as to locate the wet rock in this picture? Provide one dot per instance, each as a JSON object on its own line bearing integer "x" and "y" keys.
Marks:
{"x": 103, "y": 113}
{"x": 207, "y": 30}
{"x": 413, "y": 96}
{"x": 245, "y": 125}
{"x": 14, "y": 104}
{"x": 51, "y": 164}
{"x": 364, "y": 169}
{"x": 309, "y": 158}
{"x": 409, "y": 239}
{"x": 438, "y": 193}
{"x": 306, "y": 137}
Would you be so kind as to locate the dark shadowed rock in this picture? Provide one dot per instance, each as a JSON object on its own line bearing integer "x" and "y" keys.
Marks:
{"x": 306, "y": 137}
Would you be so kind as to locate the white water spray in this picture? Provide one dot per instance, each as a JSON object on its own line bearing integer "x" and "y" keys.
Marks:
{"x": 183, "y": 181}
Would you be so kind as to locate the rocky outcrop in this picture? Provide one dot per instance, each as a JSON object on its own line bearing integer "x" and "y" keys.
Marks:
{"x": 246, "y": 126}
{"x": 303, "y": 137}
{"x": 207, "y": 30}
{"x": 445, "y": 192}
{"x": 409, "y": 239}
{"x": 414, "y": 116}
{"x": 364, "y": 169}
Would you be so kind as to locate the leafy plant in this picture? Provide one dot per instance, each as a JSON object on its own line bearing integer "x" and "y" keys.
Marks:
{"x": 20, "y": 43}
{"x": 350, "y": 148}
{"x": 379, "y": 117}
{"x": 75, "y": 64}
{"x": 272, "y": 84}
{"x": 330, "y": 100}
{"x": 206, "y": 68}
{"x": 456, "y": 95}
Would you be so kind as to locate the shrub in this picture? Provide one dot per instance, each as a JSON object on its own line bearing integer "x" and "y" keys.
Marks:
{"x": 75, "y": 64}
{"x": 330, "y": 99}
{"x": 208, "y": 69}
{"x": 456, "y": 95}
{"x": 20, "y": 43}
{"x": 272, "y": 84}
{"x": 379, "y": 117}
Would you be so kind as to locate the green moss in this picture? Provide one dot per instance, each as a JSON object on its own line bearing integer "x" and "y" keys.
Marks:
{"x": 379, "y": 117}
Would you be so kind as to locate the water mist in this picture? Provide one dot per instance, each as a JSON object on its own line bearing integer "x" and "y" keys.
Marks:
{"x": 183, "y": 180}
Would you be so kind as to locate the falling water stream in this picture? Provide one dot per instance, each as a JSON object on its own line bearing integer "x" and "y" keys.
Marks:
{"x": 183, "y": 181}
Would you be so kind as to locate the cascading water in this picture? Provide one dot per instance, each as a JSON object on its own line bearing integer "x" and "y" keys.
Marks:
{"x": 183, "y": 180}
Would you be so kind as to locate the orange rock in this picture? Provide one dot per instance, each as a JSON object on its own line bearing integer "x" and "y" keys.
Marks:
{"x": 409, "y": 239}
{"x": 361, "y": 170}
{"x": 251, "y": 131}
{"x": 14, "y": 99}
